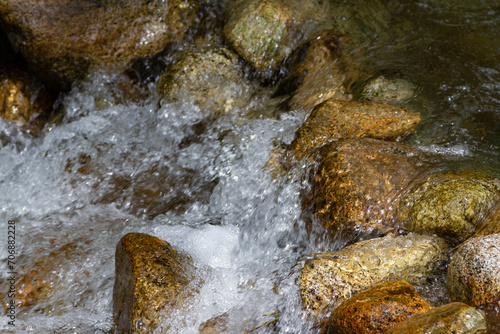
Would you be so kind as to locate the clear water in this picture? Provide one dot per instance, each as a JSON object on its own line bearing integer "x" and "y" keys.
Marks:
{"x": 84, "y": 181}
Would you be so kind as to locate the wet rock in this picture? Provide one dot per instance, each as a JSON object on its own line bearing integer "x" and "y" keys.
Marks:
{"x": 474, "y": 271}
{"x": 265, "y": 32}
{"x": 23, "y": 99}
{"x": 210, "y": 77}
{"x": 330, "y": 278}
{"x": 358, "y": 185}
{"x": 392, "y": 91}
{"x": 336, "y": 119}
{"x": 449, "y": 318}
{"x": 376, "y": 310}
{"x": 151, "y": 277}
{"x": 451, "y": 204}
{"x": 321, "y": 69}
{"x": 216, "y": 325}
{"x": 96, "y": 33}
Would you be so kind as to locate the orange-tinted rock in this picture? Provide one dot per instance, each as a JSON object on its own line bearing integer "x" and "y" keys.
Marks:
{"x": 444, "y": 319}
{"x": 336, "y": 119}
{"x": 358, "y": 185}
{"x": 322, "y": 68}
{"x": 151, "y": 277}
{"x": 474, "y": 271}
{"x": 96, "y": 33}
{"x": 23, "y": 100}
{"x": 376, "y": 310}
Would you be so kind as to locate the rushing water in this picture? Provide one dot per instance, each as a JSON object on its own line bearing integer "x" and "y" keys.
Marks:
{"x": 81, "y": 185}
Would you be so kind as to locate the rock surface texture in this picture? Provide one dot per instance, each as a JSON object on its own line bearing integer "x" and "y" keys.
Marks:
{"x": 328, "y": 279}
{"x": 151, "y": 278}
{"x": 375, "y": 310}
{"x": 95, "y": 33}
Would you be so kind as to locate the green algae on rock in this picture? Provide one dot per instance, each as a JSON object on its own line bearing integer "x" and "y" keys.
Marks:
{"x": 474, "y": 271}
{"x": 210, "y": 77}
{"x": 444, "y": 319}
{"x": 334, "y": 119}
{"x": 151, "y": 277}
{"x": 375, "y": 310}
{"x": 95, "y": 33}
{"x": 451, "y": 204}
{"x": 358, "y": 185}
{"x": 330, "y": 278}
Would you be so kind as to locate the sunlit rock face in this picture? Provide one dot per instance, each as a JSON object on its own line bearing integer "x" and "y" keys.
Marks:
{"x": 375, "y": 310}
{"x": 210, "y": 77}
{"x": 96, "y": 34}
{"x": 448, "y": 318}
{"x": 474, "y": 271}
{"x": 452, "y": 205}
{"x": 336, "y": 119}
{"x": 328, "y": 279}
{"x": 151, "y": 277}
{"x": 358, "y": 185}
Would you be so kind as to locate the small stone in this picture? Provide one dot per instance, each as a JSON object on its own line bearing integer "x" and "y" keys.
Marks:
{"x": 330, "y": 278}
{"x": 444, "y": 319}
{"x": 392, "y": 91}
{"x": 151, "y": 277}
{"x": 336, "y": 119}
{"x": 376, "y": 310}
{"x": 474, "y": 271}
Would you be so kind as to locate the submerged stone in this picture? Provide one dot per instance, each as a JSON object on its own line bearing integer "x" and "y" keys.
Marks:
{"x": 451, "y": 204}
{"x": 474, "y": 271}
{"x": 444, "y": 319}
{"x": 151, "y": 277}
{"x": 63, "y": 39}
{"x": 210, "y": 77}
{"x": 321, "y": 69}
{"x": 328, "y": 279}
{"x": 376, "y": 310}
{"x": 336, "y": 119}
{"x": 358, "y": 185}
{"x": 392, "y": 91}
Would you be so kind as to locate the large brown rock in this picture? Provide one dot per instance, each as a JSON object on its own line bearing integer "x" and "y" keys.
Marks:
{"x": 210, "y": 77}
{"x": 151, "y": 277}
{"x": 474, "y": 271}
{"x": 358, "y": 186}
{"x": 321, "y": 69}
{"x": 63, "y": 39}
{"x": 445, "y": 319}
{"x": 330, "y": 278}
{"x": 336, "y": 119}
{"x": 375, "y": 310}
{"x": 452, "y": 205}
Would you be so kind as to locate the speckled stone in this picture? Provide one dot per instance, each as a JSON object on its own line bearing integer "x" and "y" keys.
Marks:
{"x": 334, "y": 119}
{"x": 151, "y": 277}
{"x": 328, "y": 279}
{"x": 445, "y": 319}
{"x": 474, "y": 271}
{"x": 388, "y": 90}
{"x": 375, "y": 310}
{"x": 451, "y": 204}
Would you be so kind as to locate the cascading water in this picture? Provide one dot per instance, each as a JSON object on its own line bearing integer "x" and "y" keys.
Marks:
{"x": 75, "y": 190}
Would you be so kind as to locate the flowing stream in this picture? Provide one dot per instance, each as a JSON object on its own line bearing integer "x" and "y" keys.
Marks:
{"x": 82, "y": 184}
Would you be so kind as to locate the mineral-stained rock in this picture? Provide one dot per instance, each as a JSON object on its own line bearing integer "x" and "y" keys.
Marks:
{"x": 474, "y": 271}
{"x": 392, "y": 91}
{"x": 445, "y": 319}
{"x": 377, "y": 309}
{"x": 359, "y": 184}
{"x": 451, "y": 204}
{"x": 63, "y": 39}
{"x": 23, "y": 99}
{"x": 151, "y": 277}
{"x": 336, "y": 119}
{"x": 209, "y": 77}
{"x": 321, "y": 69}
{"x": 328, "y": 279}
